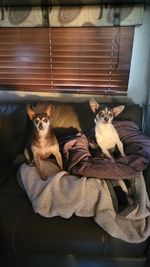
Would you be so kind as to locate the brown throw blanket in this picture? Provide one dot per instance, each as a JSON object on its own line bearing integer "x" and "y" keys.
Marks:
{"x": 78, "y": 159}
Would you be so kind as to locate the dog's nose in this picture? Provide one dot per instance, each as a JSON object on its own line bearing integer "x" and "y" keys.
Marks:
{"x": 40, "y": 126}
{"x": 106, "y": 119}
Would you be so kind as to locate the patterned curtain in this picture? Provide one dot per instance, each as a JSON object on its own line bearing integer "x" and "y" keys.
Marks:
{"x": 72, "y": 16}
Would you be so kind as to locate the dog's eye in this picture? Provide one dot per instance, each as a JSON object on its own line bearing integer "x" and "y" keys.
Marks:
{"x": 45, "y": 120}
{"x": 101, "y": 114}
{"x": 36, "y": 121}
{"x": 110, "y": 114}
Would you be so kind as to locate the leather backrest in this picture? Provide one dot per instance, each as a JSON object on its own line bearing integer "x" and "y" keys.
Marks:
{"x": 13, "y": 125}
{"x": 131, "y": 112}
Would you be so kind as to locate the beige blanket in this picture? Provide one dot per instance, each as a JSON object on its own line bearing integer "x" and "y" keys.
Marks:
{"x": 64, "y": 195}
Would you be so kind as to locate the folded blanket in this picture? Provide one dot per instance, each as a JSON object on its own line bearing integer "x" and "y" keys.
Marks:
{"x": 78, "y": 160}
{"x": 121, "y": 208}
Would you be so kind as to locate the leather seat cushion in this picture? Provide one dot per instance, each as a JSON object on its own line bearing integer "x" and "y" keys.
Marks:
{"x": 27, "y": 232}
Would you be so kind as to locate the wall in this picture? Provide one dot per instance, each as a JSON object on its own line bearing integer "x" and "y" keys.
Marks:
{"x": 139, "y": 80}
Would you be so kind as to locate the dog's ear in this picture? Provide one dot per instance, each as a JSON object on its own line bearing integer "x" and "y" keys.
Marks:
{"x": 49, "y": 110}
{"x": 117, "y": 110}
{"x": 30, "y": 111}
{"x": 94, "y": 105}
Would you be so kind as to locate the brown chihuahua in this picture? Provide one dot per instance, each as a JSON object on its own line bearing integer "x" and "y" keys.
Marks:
{"x": 43, "y": 142}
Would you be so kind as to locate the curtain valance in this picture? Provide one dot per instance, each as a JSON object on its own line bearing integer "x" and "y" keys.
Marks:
{"x": 72, "y": 16}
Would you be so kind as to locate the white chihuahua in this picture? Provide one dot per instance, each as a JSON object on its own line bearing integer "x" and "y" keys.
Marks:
{"x": 105, "y": 133}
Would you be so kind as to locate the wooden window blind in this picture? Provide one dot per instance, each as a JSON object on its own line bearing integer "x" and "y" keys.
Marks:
{"x": 67, "y": 60}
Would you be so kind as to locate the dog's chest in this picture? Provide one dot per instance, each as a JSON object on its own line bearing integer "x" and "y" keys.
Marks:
{"x": 106, "y": 135}
{"x": 43, "y": 148}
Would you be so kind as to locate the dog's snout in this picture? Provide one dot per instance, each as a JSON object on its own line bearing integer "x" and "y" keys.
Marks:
{"x": 40, "y": 126}
{"x": 106, "y": 119}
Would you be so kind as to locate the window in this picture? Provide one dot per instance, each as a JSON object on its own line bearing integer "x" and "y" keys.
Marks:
{"x": 68, "y": 60}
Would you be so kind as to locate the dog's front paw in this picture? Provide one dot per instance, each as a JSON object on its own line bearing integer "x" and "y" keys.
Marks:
{"x": 43, "y": 176}
{"x": 31, "y": 163}
{"x": 112, "y": 159}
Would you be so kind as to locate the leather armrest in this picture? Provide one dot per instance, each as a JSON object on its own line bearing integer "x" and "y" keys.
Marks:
{"x": 148, "y": 253}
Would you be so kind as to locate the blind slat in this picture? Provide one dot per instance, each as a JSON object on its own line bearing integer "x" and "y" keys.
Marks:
{"x": 66, "y": 59}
